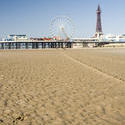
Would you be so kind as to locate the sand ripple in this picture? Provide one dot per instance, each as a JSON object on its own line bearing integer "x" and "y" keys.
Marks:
{"x": 62, "y": 87}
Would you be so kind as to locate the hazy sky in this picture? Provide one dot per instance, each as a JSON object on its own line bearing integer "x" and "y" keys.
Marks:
{"x": 33, "y": 17}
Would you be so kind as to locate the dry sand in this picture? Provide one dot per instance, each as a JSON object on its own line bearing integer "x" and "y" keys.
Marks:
{"x": 62, "y": 87}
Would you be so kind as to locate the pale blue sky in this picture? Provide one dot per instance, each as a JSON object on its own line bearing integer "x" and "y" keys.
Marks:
{"x": 33, "y": 17}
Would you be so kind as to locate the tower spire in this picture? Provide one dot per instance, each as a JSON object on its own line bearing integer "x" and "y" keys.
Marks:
{"x": 98, "y": 24}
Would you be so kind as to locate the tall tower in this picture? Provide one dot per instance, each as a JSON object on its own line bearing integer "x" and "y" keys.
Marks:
{"x": 98, "y": 24}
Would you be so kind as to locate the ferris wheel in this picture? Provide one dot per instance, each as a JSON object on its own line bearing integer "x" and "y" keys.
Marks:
{"x": 62, "y": 28}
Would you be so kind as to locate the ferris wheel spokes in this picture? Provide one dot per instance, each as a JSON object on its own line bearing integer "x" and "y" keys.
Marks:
{"x": 62, "y": 28}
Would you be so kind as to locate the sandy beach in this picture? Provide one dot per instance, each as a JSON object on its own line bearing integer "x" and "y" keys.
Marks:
{"x": 62, "y": 87}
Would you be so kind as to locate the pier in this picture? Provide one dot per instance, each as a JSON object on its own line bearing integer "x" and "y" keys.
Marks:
{"x": 44, "y": 44}
{"x": 34, "y": 45}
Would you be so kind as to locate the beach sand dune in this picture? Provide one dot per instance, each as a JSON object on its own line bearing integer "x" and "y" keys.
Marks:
{"x": 62, "y": 87}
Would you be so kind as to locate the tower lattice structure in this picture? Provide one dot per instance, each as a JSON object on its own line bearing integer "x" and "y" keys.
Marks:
{"x": 98, "y": 24}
